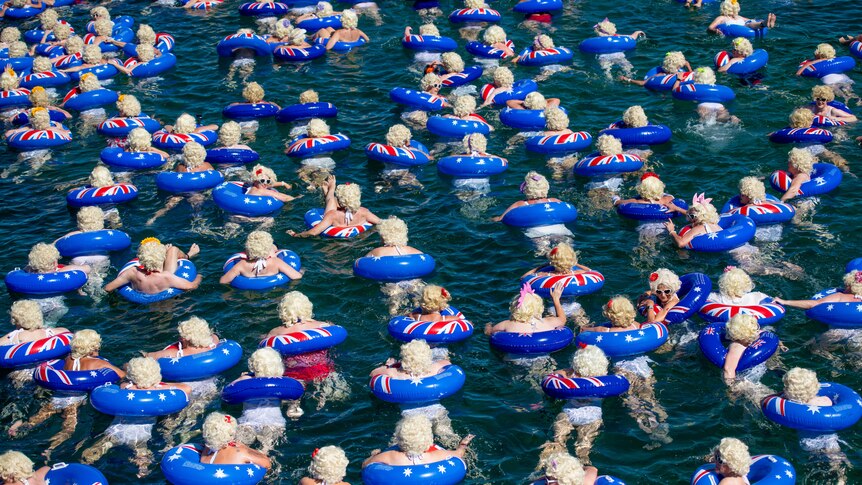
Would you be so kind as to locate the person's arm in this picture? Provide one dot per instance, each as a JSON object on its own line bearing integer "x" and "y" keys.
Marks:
{"x": 840, "y": 114}
{"x": 333, "y": 39}
{"x": 804, "y": 65}
{"x": 675, "y": 208}
{"x": 661, "y": 315}
{"x": 184, "y": 284}
{"x": 803, "y": 304}
{"x": 122, "y": 279}
{"x": 734, "y": 353}
{"x": 374, "y": 458}
{"x": 793, "y": 190}
{"x": 715, "y": 23}
{"x": 61, "y": 110}
{"x": 638, "y": 34}
{"x": 288, "y": 270}
{"x": 120, "y": 372}
{"x": 77, "y": 267}
{"x": 257, "y": 458}
{"x": 556, "y": 292}
{"x": 407, "y": 31}
{"x": 681, "y": 241}
{"x": 200, "y": 129}
{"x": 371, "y": 217}
{"x": 532, "y": 271}
{"x": 462, "y": 446}
{"x": 515, "y": 104}
{"x": 315, "y": 230}
{"x": 228, "y": 277}
{"x": 500, "y": 217}
{"x": 165, "y": 155}
{"x": 120, "y": 67}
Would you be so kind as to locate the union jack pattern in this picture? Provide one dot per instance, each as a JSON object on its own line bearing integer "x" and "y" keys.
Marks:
{"x": 565, "y": 138}
{"x": 660, "y": 329}
{"x": 820, "y": 120}
{"x": 295, "y": 337}
{"x": 346, "y": 231}
{"x": 556, "y": 381}
{"x": 42, "y": 345}
{"x": 762, "y": 209}
{"x": 722, "y": 58}
{"x": 701, "y": 474}
{"x": 68, "y": 60}
{"x": 726, "y": 312}
{"x": 71, "y": 94}
{"x": 856, "y": 48}
{"x": 782, "y": 180}
{"x": 291, "y": 52}
{"x": 263, "y": 6}
{"x": 439, "y": 328}
{"x": 47, "y": 369}
{"x": 108, "y": 191}
{"x": 131, "y": 63}
{"x": 121, "y": 123}
{"x": 778, "y": 404}
{"x": 479, "y": 11}
{"x": 542, "y": 53}
{"x": 580, "y": 279}
{"x": 385, "y": 384}
{"x": 165, "y": 42}
{"x": 33, "y": 135}
{"x": 42, "y": 75}
{"x": 14, "y": 92}
{"x": 808, "y": 132}
{"x": 392, "y": 151}
{"x": 608, "y": 160}
{"x": 309, "y": 143}
{"x": 164, "y": 137}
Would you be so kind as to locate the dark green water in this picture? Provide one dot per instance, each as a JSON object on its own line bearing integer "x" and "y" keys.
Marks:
{"x": 478, "y": 261}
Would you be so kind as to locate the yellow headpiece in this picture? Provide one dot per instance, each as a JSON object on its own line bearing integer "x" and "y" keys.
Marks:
{"x": 150, "y": 240}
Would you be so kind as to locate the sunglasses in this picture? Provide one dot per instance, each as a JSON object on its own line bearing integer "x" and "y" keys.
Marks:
{"x": 663, "y": 292}
{"x": 820, "y": 99}
{"x": 265, "y": 181}
{"x": 716, "y": 458}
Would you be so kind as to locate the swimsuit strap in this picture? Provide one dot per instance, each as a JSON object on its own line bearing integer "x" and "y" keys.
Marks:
{"x": 348, "y": 216}
{"x": 49, "y": 332}
{"x": 398, "y": 250}
{"x": 13, "y": 335}
{"x": 259, "y": 265}
{"x": 180, "y": 348}
{"x": 212, "y": 458}
{"x": 76, "y": 364}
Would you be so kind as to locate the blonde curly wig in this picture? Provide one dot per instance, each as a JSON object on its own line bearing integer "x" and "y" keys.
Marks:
{"x": 253, "y": 93}
{"x": 590, "y": 361}
{"x": 185, "y": 124}
{"x": 753, "y": 188}
{"x": 664, "y": 277}
{"x": 48, "y": 19}
{"x": 503, "y": 77}
{"x": 295, "y": 307}
{"x": 536, "y": 186}
{"x": 556, "y": 119}
{"x": 17, "y": 49}
{"x": 194, "y": 155}
{"x": 634, "y": 117}
{"x": 229, "y": 134}
{"x": 475, "y": 4}
{"x": 563, "y": 257}
{"x": 317, "y": 128}
{"x": 91, "y": 218}
{"x": 452, "y": 62}
{"x": 144, "y": 372}
{"x": 196, "y": 331}
{"x": 564, "y": 468}
{"x": 729, "y": 8}
{"x": 146, "y": 35}
{"x": 531, "y": 307}
{"x": 15, "y": 466}
{"x": 414, "y": 435}
{"x": 801, "y": 118}
{"x": 535, "y": 100}
{"x": 824, "y": 51}
{"x": 258, "y": 245}
{"x": 43, "y": 258}
{"x": 100, "y": 177}
{"x": 140, "y": 140}
{"x": 398, "y": 136}
{"x": 261, "y": 173}
{"x": 434, "y": 298}
{"x": 309, "y": 96}
{"x": 544, "y": 41}
{"x": 128, "y": 105}
{"x": 8, "y": 80}
{"x": 430, "y": 81}
{"x": 324, "y": 9}
{"x": 40, "y": 119}
{"x": 297, "y": 36}
{"x": 609, "y": 145}
{"x": 704, "y": 75}
{"x": 89, "y": 82}
{"x": 85, "y": 343}
{"x": 92, "y": 54}
{"x": 64, "y": 32}
{"x": 145, "y": 53}
{"x": 651, "y": 188}
{"x": 494, "y": 35}
{"x": 851, "y": 284}
{"x": 9, "y": 35}
{"x": 282, "y": 29}
{"x": 75, "y": 44}
{"x": 823, "y": 91}
{"x": 416, "y": 357}
{"x": 429, "y": 29}
{"x": 103, "y": 27}
{"x": 42, "y": 64}
{"x": 152, "y": 255}
{"x": 349, "y": 20}
{"x": 266, "y": 362}
{"x": 393, "y": 231}
{"x": 743, "y": 329}
{"x": 742, "y": 46}
{"x": 26, "y": 314}
{"x": 800, "y": 385}
{"x": 735, "y": 283}
{"x": 218, "y": 430}
{"x": 703, "y": 214}
{"x": 329, "y": 465}
{"x": 100, "y": 13}
{"x": 475, "y": 142}
{"x": 606, "y": 27}
{"x": 801, "y": 159}
{"x": 735, "y": 455}
{"x": 620, "y": 311}
{"x": 349, "y": 196}
{"x": 464, "y": 105}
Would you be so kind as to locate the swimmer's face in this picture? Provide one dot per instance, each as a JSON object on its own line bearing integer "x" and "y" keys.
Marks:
{"x": 663, "y": 293}
{"x": 820, "y": 102}
{"x": 744, "y": 200}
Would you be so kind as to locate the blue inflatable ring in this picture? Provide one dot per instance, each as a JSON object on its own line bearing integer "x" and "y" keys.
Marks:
{"x": 262, "y": 283}
{"x": 298, "y": 54}
{"x": 524, "y": 119}
{"x": 558, "y": 145}
{"x": 283, "y": 388}
{"x": 263, "y": 9}
{"x": 93, "y": 243}
{"x": 650, "y": 212}
{"x": 176, "y": 141}
{"x": 112, "y": 194}
{"x": 44, "y": 284}
{"x": 231, "y": 197}
{"x": 450, "y": 471}
{"x": 237, "y": 156}
{"x": 845, "y": 411}
{"x": 474, "y": 15}
{"x": 340, "y": 46}
{"x": 182, "y": 465}
{"x": 835, "y": 314}
{"x": 185, "y": 270}
{"x": 519, "y": 90}
{"x": 733, "y": 30}
{"x": 305, "y": 341}
{"x": 101, "y": 71}
{"x": 51, "y": 375}
{"x": 23, "y": 118}
{"x": 487, "y": 51}
{"x": 658, "y": 80}
{"x": 558, "y": 386}
{"x": 314, "y": 216}
{"x": 309, "y": 147}
{"x": 394, "y": 268}
{"x": 536, "y": 214}
{"x": 76, "y": 473}
{"x": 710, "y": 341}
{"x": 598, "y": 164}
{"x": 119, "y": 158}
{"x": 405, "y": 328}
{"x": 312, "y": 25}
{"x": 836, "y": 65}
{"x": 119, "y": 127}
{"x": 770, "y": 211}
{"x": 608, "y": 45}
{"x": 703, "y": 93}
{"x": 113, "y": 400}
{"x": 78, "y": 101}
{"x": 151, "y": 68}
{"x": 187, "y": 182}
{"x": 764, "y": 470}
{"x": 538, "y": 6}
{"x": 692, "y": 296}
{"x": 469, "y": 166}
{"x": 469, "y": 74}
{"x": 801, "y": 135}
{"x": 765, "y": 312}
{"x": 427, "y": 389}
{"x": 456, "y": 127}
{"x": 29, "y": 353}
{"x": 644, "y": 135}
{"x": 23, "y": 12}
{"x": 746, "y": 66}
{"x": 824, "y": 179}
{"x": 573, "y": 284}
{"x": 234, "y": 42}
{"x": 737, "y": 230}
{"x": 647, "y": 338}
{"x": 414, "y": 156}
{"x": 545, "y": 57}
{"x": 417, "y": 99}
{"x": 306, "y": 111}
{"x": 46, "y": 79}
{"x": 536, "y": 343}
{"x": 37, "y": 139}
{"x": 250, "y": 111}
{"x": 202, "y": 365}
{"x": 120, "y": 22}
{"x": 429, "y": 43}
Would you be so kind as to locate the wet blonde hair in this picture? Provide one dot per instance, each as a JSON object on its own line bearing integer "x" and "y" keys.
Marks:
{"x": 9, "y": 35}
{"x": 729, "y": 8}
{"x": 42, "y": 64}
{"x": 295, "y": 307}
{"x": 103, "y": 27}
{"x": 735, "y": 455}
{"x": 590, "y": 361}
{"x": 752, "y": 188}
{"x": 742, "y": 46}
{"x": 475, "y": 142}
{"x": 393, "y": 231}
{"x": 823, "y": 91}
{"x": 800, "y": 385}
{"x": 329, "y": 465}
{"x": 651, "y": 188}
{"x": 101, "y": 177}
{"x": 317, "y": 128}
{"x": 17, "y": 49}
{"x": 536, "y": 186}
{"x": 452, "y": 62}
{"x": 309, "y": 96}
{"x": 704, "y": 75}
{"x": 824, "y": 51}
{"x": 258, "y": 245}
{"x": 8, "y": 80}
{"x": 620, "y": 311}
{"x": 194, "y": 154}
{"x": 673, "y": 61}
{"x": 851, "y": 284}
{"x": 535, "y": 100}
{"x": 64, "y": 32}
{"x": 429, "y": 29}
{"x": 145, "y": 53}
{"x": 494, "y": 35}
{"x": 40, "y": 119}
{"x": 26, "y": 314}
{"x": 398, "y": 136}
{"x": 544, "y": 41}
{"x": 563, "y": 257}
{"x": 218, "y": 430}
{"x": 229, "y": 133}
{"x": 185, "y": 124}
{"x": 253, "y": 92}
{"x": 152, "y": 255}
{"x": 15, "y": 466}
{"x": 665, "y": 277}
{"x": 703, "y": 214}
{"x": 89, "y": 82}
{"x": 556, "y": 119}
{"x": 260, "y": 173}
{"x": 434, "y": 298}
{"x": 144, "y": 372}
{"x": 735, "y": 283}
{"x": 139, "y": 140}
{"x": 606, "y": 27}
{"x": 503, "y": 77}
{"x": 414, "y": 435}
{"x": 100, "y": 13}
{"x": 430, "y": 81}
{"x": 74, "y": 44}
{"x": 416, "y": 357}
{"x": 91, "y": 218}
{"x": 196, "y": 331}
{"x": 531, "y": 307}
{"x": 464, "y": 105}
{"x": 801, "y": 118}
{"x": 128, "y": 105}
{"x": 349, "y": 196}
{"x": 266, "y": 362}
{"x": 564, "y": 468}
{"x": 146, "y": 35}
{"x": 43, "y": 258}
{"x": 634, "y": 117}
{"x": 349, "y": 20}
{"x": 743, "y": 329}
{"x": 92, "y": 54}
{"x": 801, "y": 159}
{"x": 85, "y": 343}
{"x": 609, "y": 145}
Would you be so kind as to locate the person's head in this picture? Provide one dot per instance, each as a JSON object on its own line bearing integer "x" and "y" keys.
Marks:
{"x": 801, "y": 160}
{"x": 609, "y": 145}
{"x": 89, "y": 82}
{"x": 297, "y": 36}
{"x": 15, "y": 467}
{"x": 429, "y": 29}
{"x": 605, "y": 27}
{"x": 349, "y": 20}
{"x": 42, "y": 64}
{"x": 103, "y": 27}
{"x": 564, "y": 468}
{"x": 196, "y": 331}
{"x": 452, "y": 62}
{"x": 18, "y": 49}
{"x": 704, "y": 75}
{"x": 8, "y": 80}
{"x": 590, "y": 361}
{"x": 732, "y": 458}
{"x": 186, "y": 123}
{"x": 194, "y": 155}
{"x": 139, "y": 140}
{"x": 729, "y": 8}
{"x": 527, "y": 306}
{"x": 434, "y": 298}
{"x": 75, "y": 44}
{"x": 144, "y": 372}
{"x": 328, "y": 464}
{"x": 735, "y": 282}
{"x": 64, "y": 32}
{"x": 416, "y": 357}
{"x": 535, "y": 100}
{"x": 742, "y": 47}
{"x": 323, "y": 9}
{"x": 800, "y": 385}
{"x": 430, "y": 81}
{"x": 752, "y": 189}
{"x": 266, "y": 362}
{"x": 801, "y": 118}
{"x": 503, "y": 77}
{"x": 128, "y": 105}
{"x": 702, "y": 213}
{"x": 218, "y": 430}
{"x": 535, "y": 186}
{"x": 39, "y": 98}
{"x": 258, "y": 245}
{"x": 91, "y": 218}
{"x": 282, "y": 29}
{"x": 146, "y": 35}
{"x": 664, "y": 283}
{"x": 253, "y": 93}
{"x": 673, "y": 61}
{"x": 26, "y": 314}
{"x": 48, "y": 19}
{"x": 620, "y": 311}
{"x": 317, "y": 128}
{"x": 635, "y": 117}
{"x": 822, "y": 94}
{"x": 475, "y": 4}
{"x": 295, "y": 307}
{"x": 349, "y": 196}
{"x": 475, "y": 142}
{"x": 151, "y": 254}
{"x": 743, "y": 329}
{"x": 309, "y": 96}
{"x": 556, "y": 119}
{"x": 100, "y": 13}
{"x": 464, "y": 105}
{"x": 43, "y": 258}
{"x": 262, "y": 175}
{"x": 543, "y": 41}
{"x": 19, "y": 3}
{"x": 562, "y": 257}
{"x": 229, "y": 133}
{"x": 414, "y": 435}
{"x": 101, "y": 177}
{"x": 650, "y": 187}
{"x": 853, "y": 282}
{"x": 9, "y": 35}
{"x": 398, "y": 136}
{"x": 92, "y": 54}
{"x": 85, "y": 343}
{"x": 145, "y": 52}
{"x": 393, "y": 231}
{"x": 824, "y": 51}
{"x": 40, "y": 119}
